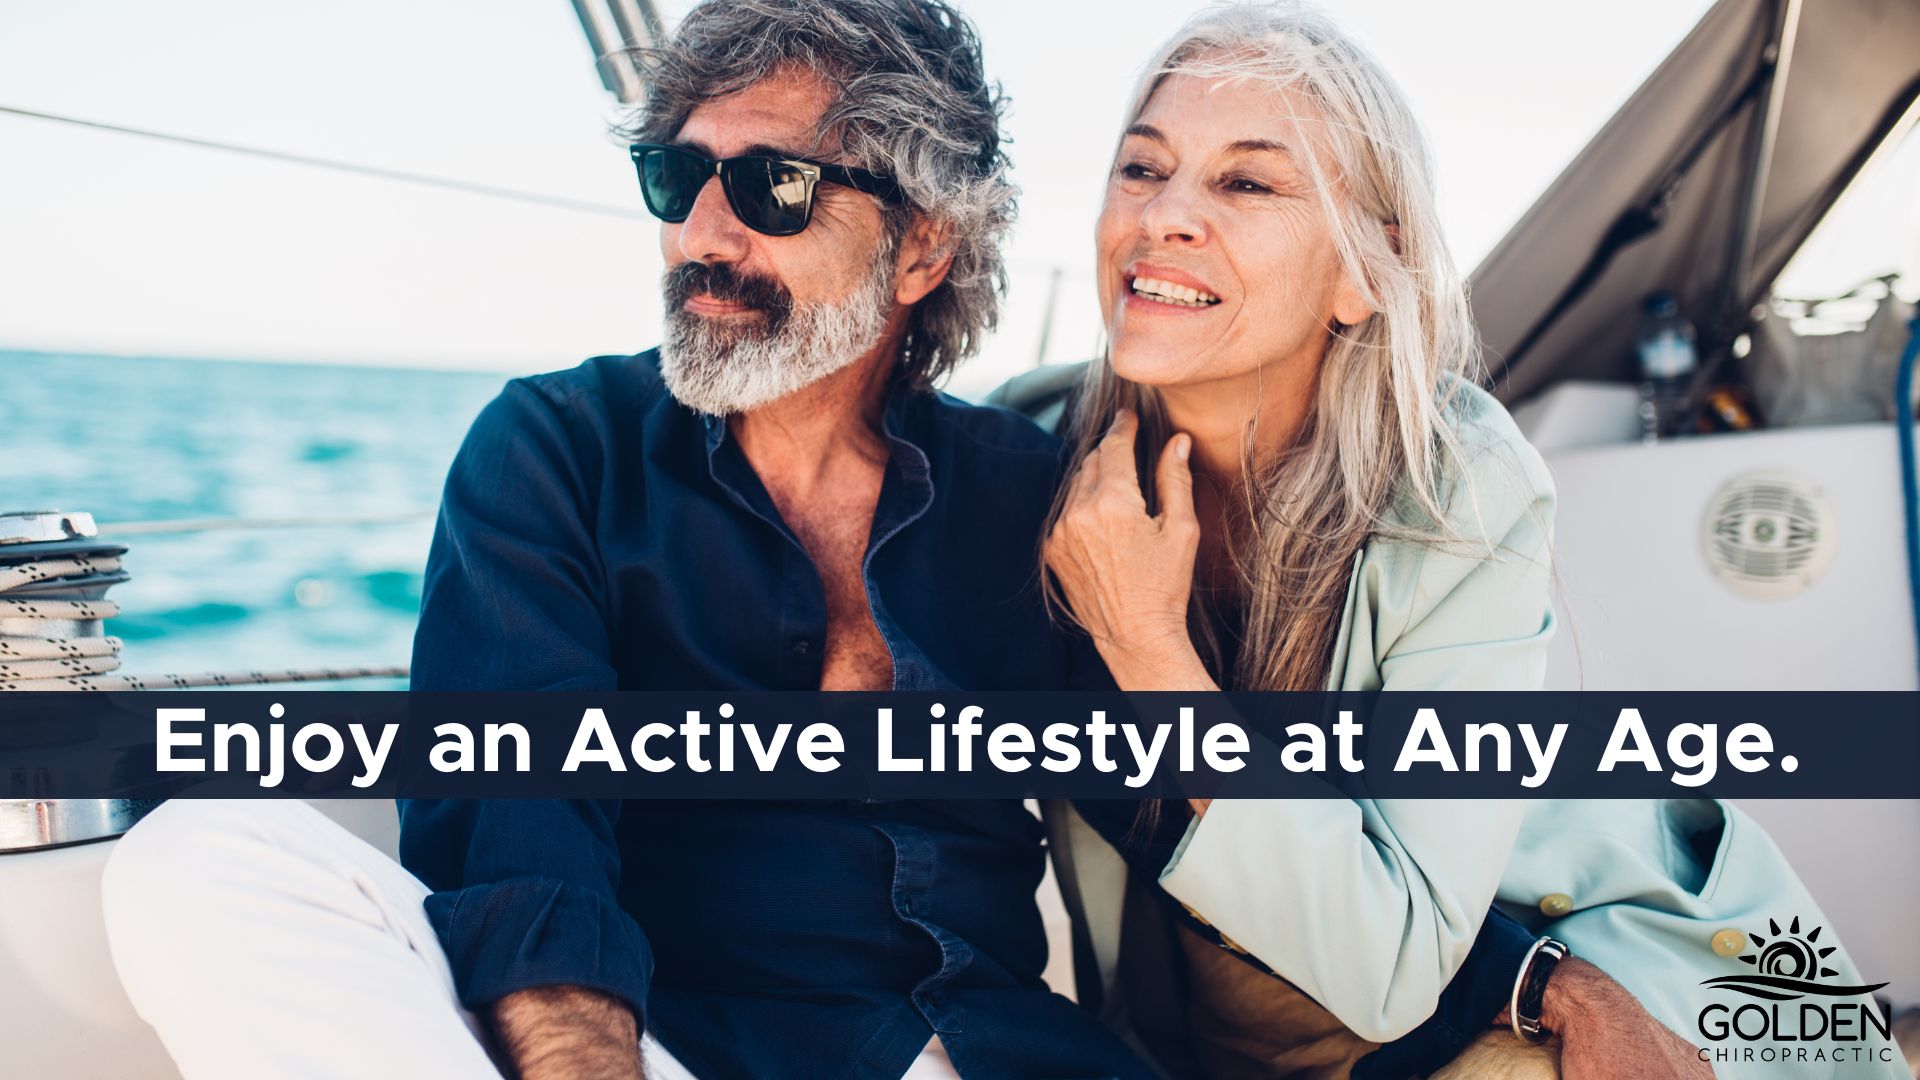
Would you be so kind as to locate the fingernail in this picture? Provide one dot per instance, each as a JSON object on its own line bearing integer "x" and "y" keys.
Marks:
{"x": 1182, "y": 446}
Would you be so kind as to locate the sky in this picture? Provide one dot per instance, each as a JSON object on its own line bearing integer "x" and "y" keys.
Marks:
{"x": 115, "y": 244}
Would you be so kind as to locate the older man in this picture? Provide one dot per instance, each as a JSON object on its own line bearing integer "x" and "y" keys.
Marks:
{"x": 773, "y": 500}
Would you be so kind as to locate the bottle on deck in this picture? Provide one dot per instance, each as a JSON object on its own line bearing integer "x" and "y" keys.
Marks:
{"x": 1667, "y": 362}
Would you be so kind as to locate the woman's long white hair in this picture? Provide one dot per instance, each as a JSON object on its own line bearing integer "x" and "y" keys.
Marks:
{"x": 1377, "y": 437}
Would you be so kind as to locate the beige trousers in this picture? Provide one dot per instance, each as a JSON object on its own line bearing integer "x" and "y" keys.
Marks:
{"x": 1497, "y": 1055}
{"x": 265, "y": 942}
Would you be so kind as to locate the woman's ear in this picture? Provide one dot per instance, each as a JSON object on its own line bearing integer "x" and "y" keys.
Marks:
{"x": 1350, "y": 307}
{"x": 924, "y": 258}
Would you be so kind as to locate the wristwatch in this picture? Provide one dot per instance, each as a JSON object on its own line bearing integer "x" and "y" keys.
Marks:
{"x": 1530, "y": 987}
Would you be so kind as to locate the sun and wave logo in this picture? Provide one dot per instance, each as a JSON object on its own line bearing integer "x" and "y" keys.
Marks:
{"x": 1788, "y": 967}
{"x": 1797, "y": 1017}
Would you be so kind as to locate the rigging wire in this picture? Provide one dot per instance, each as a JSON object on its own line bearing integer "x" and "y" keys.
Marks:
{"x": 201, "y": 525}
{"x": 424, "y": 179}
{"x": 561, "y": 202}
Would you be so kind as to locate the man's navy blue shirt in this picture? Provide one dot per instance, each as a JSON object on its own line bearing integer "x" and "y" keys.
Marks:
{"x": 596, "y": 535}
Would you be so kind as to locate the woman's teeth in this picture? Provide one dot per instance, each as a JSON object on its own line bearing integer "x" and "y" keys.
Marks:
{"x": 1168, "y": 293}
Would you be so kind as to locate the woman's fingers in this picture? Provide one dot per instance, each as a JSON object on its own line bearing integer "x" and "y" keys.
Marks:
{"x": 1116, "y": 450}
{"x": 1174, "y": 481}
{"x": 1085, "y": 485}
{"x": 1126, "y": 575}
{"x": 1091, "y": 472}
{"x": 1116, "y": 491}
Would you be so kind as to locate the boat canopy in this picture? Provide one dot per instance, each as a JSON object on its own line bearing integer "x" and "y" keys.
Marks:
{"x": 1704, "y": 184}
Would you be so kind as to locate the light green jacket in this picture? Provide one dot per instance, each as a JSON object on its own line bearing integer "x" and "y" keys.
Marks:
{"x": 1370, "y": 906}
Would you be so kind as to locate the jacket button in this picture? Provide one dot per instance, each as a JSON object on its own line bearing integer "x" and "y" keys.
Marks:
{"x": 1729, "y": 942}
{"x": 1556, "y": 905}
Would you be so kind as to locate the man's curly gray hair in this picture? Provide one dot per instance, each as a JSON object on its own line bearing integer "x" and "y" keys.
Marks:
{"x": 911, "y": 101}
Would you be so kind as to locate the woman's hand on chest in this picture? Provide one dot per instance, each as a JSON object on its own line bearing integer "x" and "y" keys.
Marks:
{"x": 1128, "y": 574}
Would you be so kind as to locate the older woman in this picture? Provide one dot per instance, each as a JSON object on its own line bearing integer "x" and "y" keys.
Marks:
{"x": 1288, "y": 479}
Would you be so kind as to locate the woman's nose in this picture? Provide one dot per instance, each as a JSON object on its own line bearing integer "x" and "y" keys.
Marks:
{"x": 1173, "y": 216}
{"x": 712, "y": 232}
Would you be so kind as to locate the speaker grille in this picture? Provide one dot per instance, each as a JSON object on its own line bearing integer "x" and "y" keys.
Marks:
{"x": 1769, "y": 533}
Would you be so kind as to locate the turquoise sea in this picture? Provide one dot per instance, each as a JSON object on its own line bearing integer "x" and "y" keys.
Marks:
{"x": 140, "y": 439}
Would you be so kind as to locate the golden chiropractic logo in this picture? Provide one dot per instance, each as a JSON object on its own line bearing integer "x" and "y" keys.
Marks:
{"x": 1789, "y": 968}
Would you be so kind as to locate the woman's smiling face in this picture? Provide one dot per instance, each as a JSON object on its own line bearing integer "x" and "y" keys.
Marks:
{"x": 1215, "y": 255}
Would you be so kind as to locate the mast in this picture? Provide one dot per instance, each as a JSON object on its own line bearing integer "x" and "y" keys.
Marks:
{"x": 614, "y": 29}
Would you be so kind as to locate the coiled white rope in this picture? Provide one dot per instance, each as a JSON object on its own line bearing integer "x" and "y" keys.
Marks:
{"x": 42, "y": 660}
{"x": 41, "y": 656}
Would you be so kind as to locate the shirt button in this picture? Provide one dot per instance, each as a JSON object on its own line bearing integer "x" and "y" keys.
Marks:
{"x": 1729, "y": 942}
{"x": 802, "y": 647}
{"x": 1556, "y": 905}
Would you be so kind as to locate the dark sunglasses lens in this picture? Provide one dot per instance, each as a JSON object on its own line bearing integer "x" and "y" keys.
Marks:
{"x": 671, "y": 181}
{"x": 770, "y": 196}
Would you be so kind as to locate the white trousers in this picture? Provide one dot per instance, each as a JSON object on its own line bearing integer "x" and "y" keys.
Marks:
{"x": 265, "y": 942}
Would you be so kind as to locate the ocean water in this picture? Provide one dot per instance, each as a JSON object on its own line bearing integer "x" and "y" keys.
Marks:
{"x": 131, "y": 440}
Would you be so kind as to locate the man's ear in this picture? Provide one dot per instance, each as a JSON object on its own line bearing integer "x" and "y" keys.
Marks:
{"x": 925, "y": 256}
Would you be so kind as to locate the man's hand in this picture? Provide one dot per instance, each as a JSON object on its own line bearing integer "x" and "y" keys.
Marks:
{"x": 569, "y": 1033}
{"x": 1606, "y": 1034}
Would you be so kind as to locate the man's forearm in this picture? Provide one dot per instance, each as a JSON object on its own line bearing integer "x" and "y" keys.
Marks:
{"x": 1606, "y": 1034}
{"x": 568, "y": 1033}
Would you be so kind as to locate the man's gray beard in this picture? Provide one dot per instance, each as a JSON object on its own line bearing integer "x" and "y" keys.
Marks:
{"x": 719, "y": 370}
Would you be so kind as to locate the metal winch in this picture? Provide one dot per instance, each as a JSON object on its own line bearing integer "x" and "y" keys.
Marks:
{"x": 55, "y": 572}
{"x": 54, "y": 575}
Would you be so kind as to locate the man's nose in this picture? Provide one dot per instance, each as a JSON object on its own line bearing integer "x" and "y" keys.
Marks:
{"x": 712, "y": 233}
{"x": 1174, "y": 215}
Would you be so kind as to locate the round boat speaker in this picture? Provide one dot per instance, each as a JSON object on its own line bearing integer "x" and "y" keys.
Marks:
{"x": 1769, "y": 534}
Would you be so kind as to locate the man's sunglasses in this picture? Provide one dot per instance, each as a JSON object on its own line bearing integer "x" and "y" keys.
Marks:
{"x": 771, "y": 195}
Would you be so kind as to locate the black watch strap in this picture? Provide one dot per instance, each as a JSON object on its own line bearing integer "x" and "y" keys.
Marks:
{"x": 1530, "y": 988}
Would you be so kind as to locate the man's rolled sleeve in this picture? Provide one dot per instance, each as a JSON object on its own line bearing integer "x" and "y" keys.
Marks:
{"x": 525, "y": 895}
{"x": 525, "y": 891}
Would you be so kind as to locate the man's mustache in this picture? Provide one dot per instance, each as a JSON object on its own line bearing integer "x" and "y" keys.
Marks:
{"x": 727, "y": 285}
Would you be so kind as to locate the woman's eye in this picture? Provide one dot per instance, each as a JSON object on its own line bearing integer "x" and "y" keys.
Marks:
{"x": 1245, "y": 186}
{"x": 1134, "y": 170}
